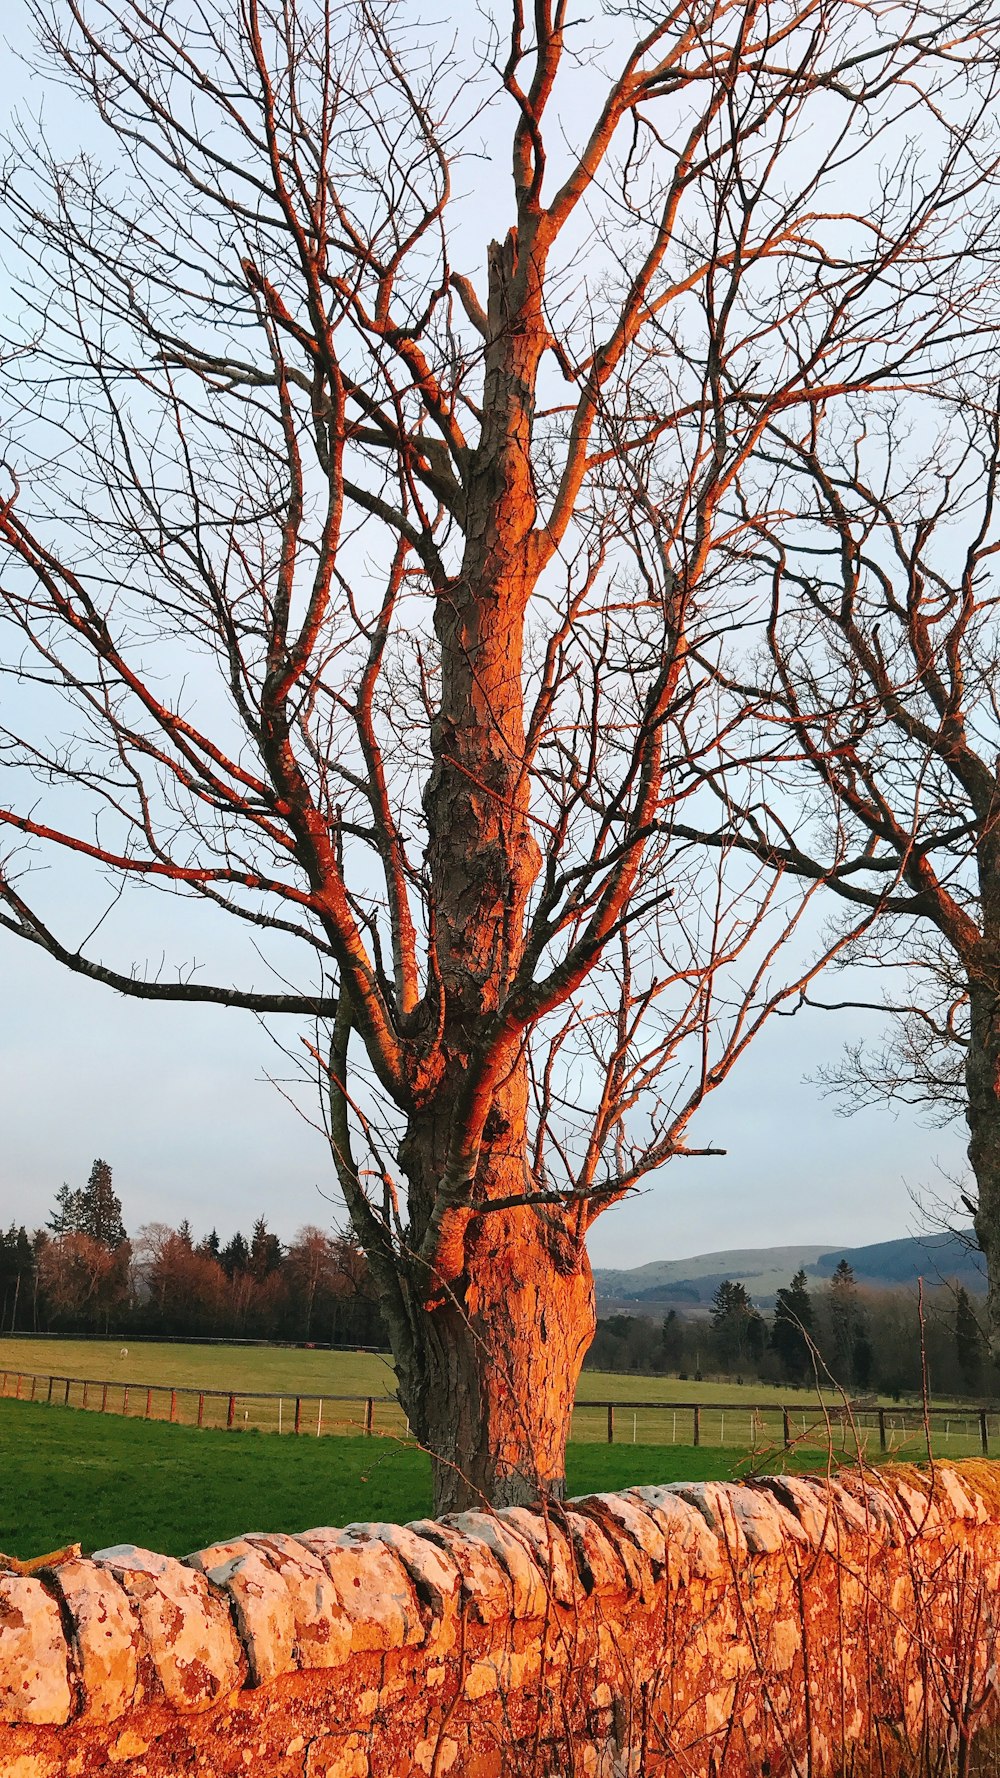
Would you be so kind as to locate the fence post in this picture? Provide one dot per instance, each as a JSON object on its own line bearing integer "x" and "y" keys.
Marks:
{"x": 786, "y": 1428}
{"x": 66, "y": 1394}
{"x": 231, "y": 1412}
{"x": 882, "y": 1444}
{"x": 34, "y": 1383}
{"x": 201, "y": 1407}
{"x": 125, "y": 1401}
{"x": 17, "y": 1392}
{"x": 984, "y": 1434}
{"x": 697, "y": 1425}
{"x": 611, "y": 1422}
{"x": 369, "y": 1416}
{"x": 173, "y": 1406}
{"x": 298, "y": 1413}
{"x": 86, "y": 1392}
{"x": 49, "y": 1396}
{"x": 104, "y": 1399}
{"x": 319, "y": 1418}
{"x": 149, "y": 1403}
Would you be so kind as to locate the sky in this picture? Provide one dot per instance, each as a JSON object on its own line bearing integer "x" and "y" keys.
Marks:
{"x": 179, "y": 1101}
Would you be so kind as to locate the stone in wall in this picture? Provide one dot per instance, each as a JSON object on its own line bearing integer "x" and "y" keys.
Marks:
{"x": 34, "y": 1658}
{"x": 190, "y": 1643}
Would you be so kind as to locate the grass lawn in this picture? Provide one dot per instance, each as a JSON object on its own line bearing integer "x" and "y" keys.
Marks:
{"x": 265, "y": 1380}
{"x": 265, "y": 1368}
{"x": 295, "y": 1370}
{"x": 67, "y": 1477}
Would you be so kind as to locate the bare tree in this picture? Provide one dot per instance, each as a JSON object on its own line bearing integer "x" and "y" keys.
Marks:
{"x": 188, "y": 1289}
{"x": 919, "y": 1057}
{"x": 388, "y": 596}
{"x": 882, "y": 683}
{"x": 81, "y": 1279}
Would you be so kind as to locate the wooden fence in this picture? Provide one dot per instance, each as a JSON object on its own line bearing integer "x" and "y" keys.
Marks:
{"x": 757, "y": 1426}
{"x": 188, "y": 1405}
{"x": 956, "y": 1431}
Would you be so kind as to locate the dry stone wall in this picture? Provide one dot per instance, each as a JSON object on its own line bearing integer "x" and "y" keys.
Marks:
{"x": 690, "y": 1631}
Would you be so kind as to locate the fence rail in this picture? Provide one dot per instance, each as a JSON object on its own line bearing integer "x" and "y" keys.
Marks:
{"x": 187, "y": 1404}
{"x": 760, "y": 1427}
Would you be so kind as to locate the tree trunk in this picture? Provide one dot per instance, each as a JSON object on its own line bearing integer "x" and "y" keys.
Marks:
{"x": 982, "y": 1073}
{"x": 499, "y": 1312}
{"x": 489, "y": 1381}
{"x": 489, "y": 1349}
{"x": 490, "y": 1310}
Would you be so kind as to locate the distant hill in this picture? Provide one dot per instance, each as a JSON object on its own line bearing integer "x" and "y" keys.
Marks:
{"x": 932, "y": 1257}
{"x": 692, "y": 1283}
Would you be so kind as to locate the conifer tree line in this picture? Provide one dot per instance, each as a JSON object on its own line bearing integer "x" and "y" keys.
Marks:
{"x": 820, "y": 1332}
{"x": 81, "y": 1273}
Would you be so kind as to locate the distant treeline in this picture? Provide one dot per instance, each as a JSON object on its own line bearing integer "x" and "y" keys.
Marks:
{"x": 82, "y": 1274}
{"x": 867, "y": 1341}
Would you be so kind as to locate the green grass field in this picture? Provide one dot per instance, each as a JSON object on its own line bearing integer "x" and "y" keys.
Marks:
{"x": 97, "y": 1480}
{"x": 264, "y": 1382}
{"x": 296, "y": 1370}
{"x": 264, "y": 1368}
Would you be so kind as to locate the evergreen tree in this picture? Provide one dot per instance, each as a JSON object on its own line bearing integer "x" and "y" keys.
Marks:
{"x": 17, "y": 1265}
{"x": 265, "y": 1251}
{"x": 235, "y": 1256}
{"x": 844, "y": 1324}
{"x": 672, "y": 1341}
{"x": 730, "y": 1299}
{"x": 210, "y": 1247}
{"x": 968, "y": 1342}
{"x": 102, "y": 1210}
{"x": 792, "y": 1331}
{"x": 738, "y": 1333}
{"x": 185, "y": 1236}
{"x": 756, "y": 1338}
{"x": 69, "y": 1214}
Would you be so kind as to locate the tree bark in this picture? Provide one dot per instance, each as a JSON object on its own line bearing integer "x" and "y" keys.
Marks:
{"x": 982, "y": 1074}
{"x": 496, "y": 1330}
{"x": 489, "y": 1381}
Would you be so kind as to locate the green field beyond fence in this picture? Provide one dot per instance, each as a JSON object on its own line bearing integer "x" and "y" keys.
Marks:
{"x": 316, "y": 1394}
{"x": 97, "y": 1480}
{"x": 76, "y": 1473}
{"x": 734, "y": 1424}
